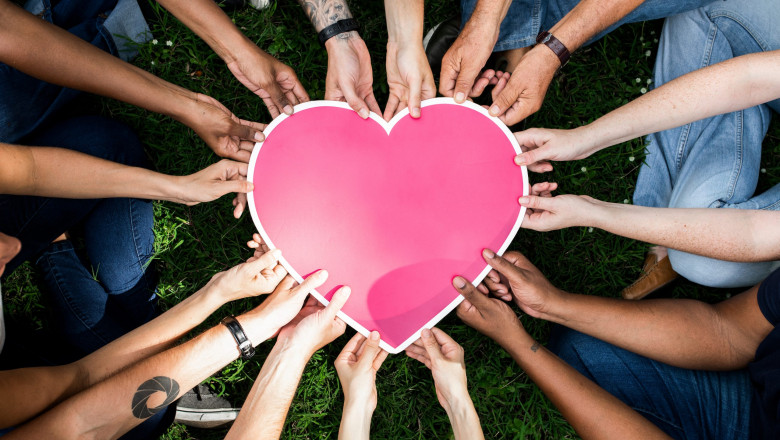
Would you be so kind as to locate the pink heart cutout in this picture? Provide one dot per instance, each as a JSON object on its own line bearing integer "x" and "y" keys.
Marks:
{"x": 392, "y": 209}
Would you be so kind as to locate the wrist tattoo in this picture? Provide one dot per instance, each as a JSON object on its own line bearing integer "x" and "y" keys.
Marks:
{"x": 535, "y": 347}
{"x": 163, "y": 384}
{"x": 324, "y": 13}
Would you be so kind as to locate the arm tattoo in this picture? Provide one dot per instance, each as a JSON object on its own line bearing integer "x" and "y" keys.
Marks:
{"x": 535, "y": 347}
{"x": 324, "y": 13}
{"x": 160, "y": 383}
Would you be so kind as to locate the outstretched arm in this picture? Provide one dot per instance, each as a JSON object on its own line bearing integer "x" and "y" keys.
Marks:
{"x": 51, "y": 54}
{"x": 680, "y": 332}
{"x": 122, "y": 401}
{"x": 591, "y": 410}
{"x": 726, "y": 234}
{"x": 42, "y": 387}
{"x": 728, "y": 86}
{"x": 261, "y": 73}
{"x": 266, "y": 407}
{"x": 38, "y": 171}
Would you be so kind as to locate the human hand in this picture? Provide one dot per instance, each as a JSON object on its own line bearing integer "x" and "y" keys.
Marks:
{"x": 530, "y": 289}
{"x": 222, "y": 131}
{"x": 357, "y": 365}
{"x": 257, "y": 243}
{"x": 445, "y": 358}
{"x": 270, "y": 79}
{"x": 257, "y": 276}
{"x": 524, "y": 92}
{"x": 285, "y": 304}
{"x": 490, "y": 316}
{"x": 409, "y": 78}
{"x": 542, "y": 145}
{"x": 213, "y": 182}
{"x": 316, "y": 326}
{"x": 464, "y": 60}
{"x": 349, "y": 75}
{"x": 544, "y": 213}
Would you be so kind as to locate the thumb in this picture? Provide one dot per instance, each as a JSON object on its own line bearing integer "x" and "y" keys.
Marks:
{"x": 233, "y": 186}
{"x": 246, "y": 132}
{"x": 370, "y": 350}
{"x": 337, "y": 301}
{"x": 355, "y": 102}
{"x": 415, "y": 93}
{"x": 431, "y": 345}
{"x": 506, "y": 98}
{"x": 464, "y": 84}
{"x": 502, "y": 266}
{"x": 538, "y": 203}
{"x": 472, "y": 295}
{"x": 278, "y": 97}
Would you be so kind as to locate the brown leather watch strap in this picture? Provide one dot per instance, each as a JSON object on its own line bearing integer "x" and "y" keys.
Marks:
{"x": 555, "y": 45}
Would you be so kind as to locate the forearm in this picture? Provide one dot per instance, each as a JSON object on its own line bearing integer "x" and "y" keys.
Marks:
{"x": 119, "y": 403}
{"x": 51, "y": 54}
{"x": 211, "y": 24}
{"x": 588, "y": 18}
{"x": 726, "y": 234}
{"x": 355, "y": 420}
{"x": 404, "y": 21}
{"x": 592, "y": 412}
{"x": 39, "y": 171}
{"x": 489, "y": 13}
{"x": 464, "y": 418}
{"x": 725, "y": 87}
{"x": 323, "y": 13}
{"x": 265, "y": 409}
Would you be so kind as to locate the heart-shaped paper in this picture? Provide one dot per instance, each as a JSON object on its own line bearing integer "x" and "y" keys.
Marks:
{"x": 392, "y": 209}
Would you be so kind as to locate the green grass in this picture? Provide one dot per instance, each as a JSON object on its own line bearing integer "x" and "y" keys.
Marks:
{"x": 194, "y": 243}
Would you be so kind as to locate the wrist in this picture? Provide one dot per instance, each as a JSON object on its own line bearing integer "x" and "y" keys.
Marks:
{"x": 545, "y": 58}
{"x": 341, "y": 40}
{"x": 255, "y": 326}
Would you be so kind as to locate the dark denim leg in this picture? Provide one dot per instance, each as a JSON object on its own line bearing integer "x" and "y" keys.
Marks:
{"x": 686, "y": 404}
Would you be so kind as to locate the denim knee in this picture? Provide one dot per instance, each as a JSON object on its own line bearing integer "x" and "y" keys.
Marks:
{"x": 575, "y": 348}
{"x": 717, "y": 273}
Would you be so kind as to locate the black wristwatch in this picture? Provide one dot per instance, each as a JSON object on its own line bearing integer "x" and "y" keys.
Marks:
{"x": 339, "y": 27}
{"x": 244, "y": 344}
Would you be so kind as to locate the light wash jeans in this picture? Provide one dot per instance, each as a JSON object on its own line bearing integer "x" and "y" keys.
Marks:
{"x": 713, "y": 163}
{"x": 526, "y": 18}
{"x": 685, "y": 404}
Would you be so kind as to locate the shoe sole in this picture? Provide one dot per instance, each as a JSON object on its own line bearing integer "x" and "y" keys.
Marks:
{"x": 206, "y": 418}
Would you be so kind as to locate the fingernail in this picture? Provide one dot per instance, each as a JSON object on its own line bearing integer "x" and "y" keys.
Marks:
{"x": 460, "y": 97}
{"x": 488, "y": 253}
{"x": 276, "y": 253}
{"x": 415, "y": 112}
{"x": 519, "y": 160}
{"x": 345, "y": 291}
{"x": 523, "y": 200}
{"x": 374, "y": 336}
{"x": 494, "y": 110}
{"x": 426, "y": 333}
{"x": 321, "y": 274}
{"x": 459, "y": 282}
{"x": 288, "y": 109}
{"x": 502, "y": 291}
{"x": 250, "y": 186}
{"x": 363, "y": 113}
{"x": 259, "y": 136}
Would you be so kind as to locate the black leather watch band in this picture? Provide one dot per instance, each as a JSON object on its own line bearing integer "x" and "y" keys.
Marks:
{"x": 555, "y": 45}
{"x": 244, "y": 344}
{"x": 339, "y": 27}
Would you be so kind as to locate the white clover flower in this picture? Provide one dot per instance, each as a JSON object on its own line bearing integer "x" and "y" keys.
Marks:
{"x": 655, "y": 40}
{"x": 647, "y": 54}
{"x": 631, "y": 158}
{"x": 583, "y": 169}
{"x": 649, "y": 81}
{"x": 625, "y": 201}
{"x": 642, "y": 38}
{"x": 652, "y": 32}
{"x": 590, "y": 229}
{"x": 169, "y": 43}
{"x": 154, "y": 41}
{"x": 152, "y": 63}
{"x": 763, "y": 170}
{"x": 638, "y": 80}
{"x": 643, "y": 90}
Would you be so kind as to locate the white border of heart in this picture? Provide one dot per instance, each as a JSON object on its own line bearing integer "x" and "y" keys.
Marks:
{"x": 388, "y": 126}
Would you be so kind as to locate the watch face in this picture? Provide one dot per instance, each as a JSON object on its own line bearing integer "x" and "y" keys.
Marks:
{"x": 546, "y": 38}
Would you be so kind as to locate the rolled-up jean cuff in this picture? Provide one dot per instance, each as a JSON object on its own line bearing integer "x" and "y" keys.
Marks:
{"x": 515, "y": 43}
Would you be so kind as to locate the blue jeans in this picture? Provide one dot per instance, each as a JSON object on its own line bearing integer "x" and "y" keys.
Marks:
{"x": 713, "y": 163}
{"x": 685, "y": 404}
{"x": 526, "y": 18}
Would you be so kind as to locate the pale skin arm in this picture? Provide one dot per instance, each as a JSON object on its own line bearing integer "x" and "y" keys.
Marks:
{"x": 725, "y": 87}
{"x": 591, "y": 411}
{"x": 45, "y": 386}
{"x": 38, "y": 171}
{"x": 266, "y": 407}
{"x": 684, "y": 333}
{"x": 51, "y": 54}
{"x": 725, "y": 234}
{"x": 409, "y": 76}
{"x": 116, "y": 404}
{"x": 527, "y": 87}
